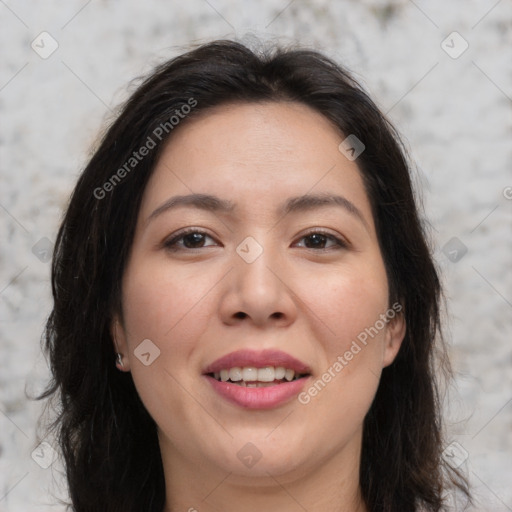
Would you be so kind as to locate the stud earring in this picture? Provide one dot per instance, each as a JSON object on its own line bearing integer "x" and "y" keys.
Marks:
{"x": 119, "y": 359}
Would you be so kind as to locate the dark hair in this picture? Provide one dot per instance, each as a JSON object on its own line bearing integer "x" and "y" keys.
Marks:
{"x": 108, "y": 440}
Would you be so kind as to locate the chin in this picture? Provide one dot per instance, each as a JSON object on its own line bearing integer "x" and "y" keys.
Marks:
{"x": 264, "y": 458}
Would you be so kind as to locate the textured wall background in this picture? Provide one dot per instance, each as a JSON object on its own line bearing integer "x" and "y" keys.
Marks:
{"x": 452, "y": 104}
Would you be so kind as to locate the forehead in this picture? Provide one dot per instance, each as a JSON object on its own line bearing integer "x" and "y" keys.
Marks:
{"x": 255, "y": 155}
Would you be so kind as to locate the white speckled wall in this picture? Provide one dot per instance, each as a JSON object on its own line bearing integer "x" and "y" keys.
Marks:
{"x": 451, "y": 101}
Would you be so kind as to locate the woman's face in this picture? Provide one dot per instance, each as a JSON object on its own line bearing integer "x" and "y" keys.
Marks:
{"x": 279, "y": 268}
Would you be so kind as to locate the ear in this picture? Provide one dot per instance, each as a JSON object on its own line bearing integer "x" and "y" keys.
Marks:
{"x": 395, "y": 333}
{"x": 118, "y": 335}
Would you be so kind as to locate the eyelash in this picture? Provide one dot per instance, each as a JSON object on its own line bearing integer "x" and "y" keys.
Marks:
{"x": 171, "y": 244}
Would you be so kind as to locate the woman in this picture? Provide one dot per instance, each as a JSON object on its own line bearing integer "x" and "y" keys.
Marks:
{"x": 246, "y": 309}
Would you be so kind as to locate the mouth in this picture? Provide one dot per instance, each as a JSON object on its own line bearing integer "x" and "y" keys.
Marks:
{"x": 252, "y": 377}
{"x": 257, "y": 379}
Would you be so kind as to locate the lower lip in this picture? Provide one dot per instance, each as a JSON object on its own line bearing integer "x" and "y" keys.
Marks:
{"x": 258, "y": 398}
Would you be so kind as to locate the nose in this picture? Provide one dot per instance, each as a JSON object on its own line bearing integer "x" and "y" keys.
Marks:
{"x": 258, "y": 293}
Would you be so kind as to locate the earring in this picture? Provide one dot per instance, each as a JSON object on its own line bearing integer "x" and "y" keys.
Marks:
{"x": 119, "y": 359}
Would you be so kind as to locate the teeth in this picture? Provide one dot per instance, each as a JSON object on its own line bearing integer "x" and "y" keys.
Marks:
{"x": 249, "y": 374}
{"x": 266, "y": 374}
{"x": 289, "y": 375}
{"x": 280, "y": 372}
{"x": 235, "y": 374}
{"x": 254, "y": 376}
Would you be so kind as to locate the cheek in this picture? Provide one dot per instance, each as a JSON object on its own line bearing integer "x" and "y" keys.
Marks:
{"x": 349, "y": 304}
{"x": 164, "y": 306}
{"x": 170, "y": 309}
{"x": 173, "y": 310}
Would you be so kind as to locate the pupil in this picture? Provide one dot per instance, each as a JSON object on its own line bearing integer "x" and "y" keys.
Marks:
{"x": 194, "y": 238}
{"x": 318, "y": 240}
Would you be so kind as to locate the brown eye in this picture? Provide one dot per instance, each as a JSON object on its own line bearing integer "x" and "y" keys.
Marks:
{"x": 319, "y": 240}
{"x": 192, "y": 239}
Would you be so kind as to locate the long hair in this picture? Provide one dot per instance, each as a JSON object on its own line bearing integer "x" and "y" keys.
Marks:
{"x": 107, "y": 438}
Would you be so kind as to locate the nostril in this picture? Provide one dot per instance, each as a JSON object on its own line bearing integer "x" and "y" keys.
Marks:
{"x": 240, "y": 314}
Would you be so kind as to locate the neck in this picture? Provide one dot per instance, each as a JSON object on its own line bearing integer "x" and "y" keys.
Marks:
{"x": 332, "y": 485}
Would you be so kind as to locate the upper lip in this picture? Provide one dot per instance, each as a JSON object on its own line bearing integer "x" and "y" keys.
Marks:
{"x": 257, "y": 359}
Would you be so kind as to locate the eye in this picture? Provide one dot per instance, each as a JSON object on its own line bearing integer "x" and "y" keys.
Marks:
{"x": 319, "y": 239}
{"x": 195, "y": 239}
{"x": 189, "y": 239}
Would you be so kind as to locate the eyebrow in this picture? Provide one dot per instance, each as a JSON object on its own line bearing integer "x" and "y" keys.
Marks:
{"x": 302, "y": 203}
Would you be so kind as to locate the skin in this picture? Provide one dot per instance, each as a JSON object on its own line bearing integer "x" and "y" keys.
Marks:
{"x": 308, "y": 299}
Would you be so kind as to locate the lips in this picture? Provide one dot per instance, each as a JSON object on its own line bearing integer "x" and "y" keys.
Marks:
{"x": 240, "y": 388}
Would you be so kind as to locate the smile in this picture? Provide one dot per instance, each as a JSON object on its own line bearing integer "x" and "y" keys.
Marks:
{"x": 257, "y": 379}
{"x": 251, "y": 376}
